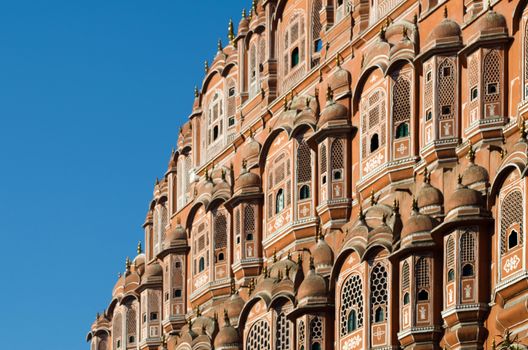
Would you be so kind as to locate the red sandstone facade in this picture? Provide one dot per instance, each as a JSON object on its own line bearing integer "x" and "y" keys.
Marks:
{"x": 352, "y": 176}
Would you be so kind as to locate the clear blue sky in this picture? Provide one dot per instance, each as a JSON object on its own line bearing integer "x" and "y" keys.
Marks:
{"x": 92, "y": 94}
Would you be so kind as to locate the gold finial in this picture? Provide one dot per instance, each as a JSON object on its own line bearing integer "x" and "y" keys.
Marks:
{"x": 285, "y": 103}
{"x": 244, "y": 15}
{"x": 189, "y": 323}
{"x": 119, "y": 275}
{"x": 361, "y": 213}
{"x": 251, "y": 286}
{"x": 206, "y": 66}
{"x": 233, "y": 287}
{"x": 127, "y": 264}
{"x": 382, "y": 33}
{"x": 223, "y": 174}
{"x": 471, "y": 153}
{"x": 231, "y": 31}
{"x": 459, "y": 179}
{"x": 254, "y": 6}
{"x": 198, "y": 312}
{"x": 502, "y": 153}
{"x": 445, "y": 12}
{"x": 362, "y": 60}
{"x": 372, "y": 198}
{"x": 490, "y": 6}
{"x": 289, "y": 256}
{"x": 338, "y": 60}
{"x": 139, "y": 249}
{"x": 275, "y": 255}
{"x": 196, "y": 92}
{"x": 287, "y": 272}
{"x": 279, "y": 275}
{"x": 299, "y": 258}
{"x": 219, "y": 45}
{"x": 329, "y": 93}
{"x": 265, "y": 271}
{"x": 388, "y": 21}
{"x": 427, "y": 176}
{"x": 415, "y": 19}
{"x": 312, "y": 265}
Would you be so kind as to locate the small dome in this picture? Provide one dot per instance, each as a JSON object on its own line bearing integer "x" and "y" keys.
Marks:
{"x": 243, "y": 25}
{"x": 339, "y": 81}
{"x": 175, "y": 233}
{"x": 206, "y": 186}
{"x": 492, "y": 21}
{"x": 429, "y": 196}
{"x": 313, "y": 286}
{"x": 221, "y": 185}
{"x": 323, "y": 254}
{"x": 475, "y": 174}
{"x": 247, "y": 181}
{"x": 446, "y": 30}
{"x": 251, "y": 150}
{"x": 234, "y": 306}
{"x": 227, "y": 337}
{"x": 464, "y": 197}
{"x": 119, "y": 286}
{"x": 153, "y": 270}
{"x": 332, "y": 111}
{"x": 417, "y": 223}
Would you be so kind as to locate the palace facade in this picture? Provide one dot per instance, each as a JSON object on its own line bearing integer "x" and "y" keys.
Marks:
{"x": 353, "y": 175}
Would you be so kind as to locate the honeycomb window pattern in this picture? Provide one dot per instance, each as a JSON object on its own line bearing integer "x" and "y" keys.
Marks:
{"x": 379, "y": 296}
{"x": 282, "y": 333}
{"x": 467, "y": 247}
{"x": 351, "y": 298}
{"x": 316, "y": 328}
{"x": 259, "y": 336}
{"x": 511, "y": 212}
{"x": 302, "y": 332}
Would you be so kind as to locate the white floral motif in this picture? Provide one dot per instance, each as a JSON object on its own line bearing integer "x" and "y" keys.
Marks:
{"x": 373, "y": 163}
{"x": 511, "y": 264}
{"x": 352, "y": 343}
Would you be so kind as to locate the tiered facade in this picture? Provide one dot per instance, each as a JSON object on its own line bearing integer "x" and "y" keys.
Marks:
{"x": 352, "y": 176}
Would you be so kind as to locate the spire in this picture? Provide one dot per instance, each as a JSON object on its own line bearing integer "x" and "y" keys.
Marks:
{"x": 427, "y": 176}
{"x": 445, "y": 12}
{"x": 227, "y": 322}
{"x": 139, "y": 248}
{"x": 127, "y": 264}
{"x": 312, "y": 265}
{"x": 244, "y": 15}
{"x": 471, "y": 154}
{"x": 265, "y": 271}
{"x": 196, "y": 92}
{"x": 220, "y": 47}
{"x": 329, "y": 94}
{"x": 206, "y": 66}
{"x": 254, "y": 6}
{"x": 231, "y": 32}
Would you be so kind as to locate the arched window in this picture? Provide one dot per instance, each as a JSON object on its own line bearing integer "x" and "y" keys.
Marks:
{"x": 352, "y": 321}
{"x": 511, "y": 220}
{"x": 259, "y": 336}
{"x": 379, "y": 296}
{"x": 467, "y": 253}
{"x": 131, "y": 322}
{"x": 467, "y": 270}
{"x": 317, "y": 5}
{"x": 295, "y": 57}
{"x": 316, "y": 346}
{"x": 423, "y": 295}
{"x": 279, "y": 201}
{"x": 401, "y": 103}
{"x": 450, "y": 275}
{"x": 304, "y": 192}
{"x": 201, "y": 264}
{"x": 379, "y": 315}
{"x": 374, "y": 143}
{"x": 402, "y": 130}
{"x": 423, "y": 273}
{"x": 351, "y": 299}
{"x": 447, "y": 89}
{"x": 406, "y": 299}
{"x": 513, "y": 239}
{"x": 221, "y": 257}
{"x": 405, "y": 276}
